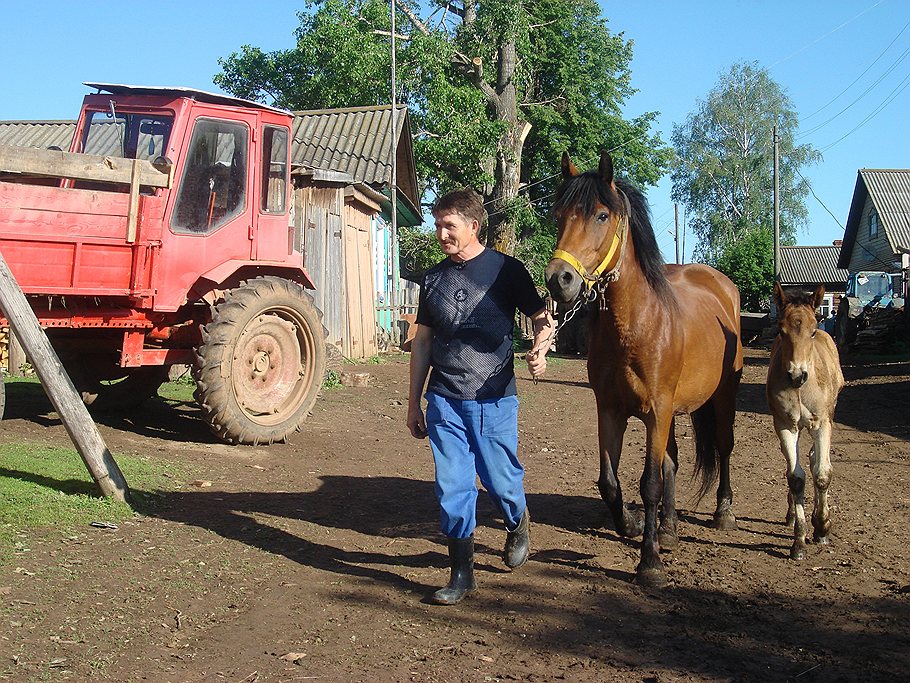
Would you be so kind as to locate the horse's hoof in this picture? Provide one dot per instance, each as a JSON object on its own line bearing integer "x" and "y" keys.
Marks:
{"x": 798, "y": 552}
{"x": 651, "y": 578}
{"x": 725, "y": 521}
{"x": 668, "y": 540}
{"x": 632, "y": 524}
{"x": 821, "y": 540}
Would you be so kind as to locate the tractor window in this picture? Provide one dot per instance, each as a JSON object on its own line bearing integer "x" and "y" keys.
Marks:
{"x": 131, "y": 136}
{"x": 213, "y": 187}
{"x": 275, "y": 172}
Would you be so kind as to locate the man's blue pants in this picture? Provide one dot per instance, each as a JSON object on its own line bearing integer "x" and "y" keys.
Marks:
{"x": 471, "y": 438}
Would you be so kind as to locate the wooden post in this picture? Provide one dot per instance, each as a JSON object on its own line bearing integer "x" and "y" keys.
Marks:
{"x": 59, "y": 388}
{"x": 16, "y": 356}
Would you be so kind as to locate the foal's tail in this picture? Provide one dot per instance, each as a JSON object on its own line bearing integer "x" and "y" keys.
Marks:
{"x": 707, "y": 455}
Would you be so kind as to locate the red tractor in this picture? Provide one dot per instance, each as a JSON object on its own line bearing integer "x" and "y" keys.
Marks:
{"x": 163, "y": 237}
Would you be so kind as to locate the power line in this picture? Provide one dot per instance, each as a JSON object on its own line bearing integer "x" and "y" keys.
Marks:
{"x": 822, "y": 37}
{"x": 865, "y": 71}
{"x": 891, "y": 68}
{"x": 891, "y": 97}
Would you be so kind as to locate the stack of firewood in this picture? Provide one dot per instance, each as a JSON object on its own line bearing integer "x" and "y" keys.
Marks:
{"x": 885, "y": 328}
{"x": 4, "y": 348}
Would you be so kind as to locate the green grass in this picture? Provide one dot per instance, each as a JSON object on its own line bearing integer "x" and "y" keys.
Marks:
{"x": 44, "y": 487}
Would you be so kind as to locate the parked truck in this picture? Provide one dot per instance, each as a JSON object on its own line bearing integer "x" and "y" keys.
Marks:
{"x": 161, "y": 238}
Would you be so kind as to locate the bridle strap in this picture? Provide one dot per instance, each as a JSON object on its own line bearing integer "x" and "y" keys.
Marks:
{"x": 617, "y": 244}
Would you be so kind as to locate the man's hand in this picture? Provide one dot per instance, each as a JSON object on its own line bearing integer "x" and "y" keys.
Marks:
{"x": 417, "y": 424}
{"x": 543, "y": 336}
{"x": 537, "y": 362}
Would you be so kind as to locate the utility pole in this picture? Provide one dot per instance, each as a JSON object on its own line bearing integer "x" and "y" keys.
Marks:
{"x": 393, "y": 192}
{"x": 676, "y": 223}
{"x": 776, "y": 206}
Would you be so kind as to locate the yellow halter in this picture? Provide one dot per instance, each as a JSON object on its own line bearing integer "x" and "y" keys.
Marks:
{"x": 618, "y": 244}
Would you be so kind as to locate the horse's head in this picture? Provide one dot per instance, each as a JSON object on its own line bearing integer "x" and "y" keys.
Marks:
{"x": 592, "y": 217}
{"x": 798, "y": 327}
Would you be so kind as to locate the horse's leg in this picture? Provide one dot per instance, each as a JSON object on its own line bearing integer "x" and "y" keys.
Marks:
{"x": 820, "y": 462}
{"x": 610, "y": 431}
{"x": 796, "y": 481}
{"x": 666, "y": 533}
{"x": 725, "y": 414}
{"x": 650, "y": 570}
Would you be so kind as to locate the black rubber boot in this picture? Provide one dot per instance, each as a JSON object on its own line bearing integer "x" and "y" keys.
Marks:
{"x": 461, "y": 580}
{"x": 518, "y": 543}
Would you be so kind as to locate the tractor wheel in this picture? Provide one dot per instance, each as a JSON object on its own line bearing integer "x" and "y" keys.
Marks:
{"x": 844, "y": 329}
{"x": 261, "y": 362}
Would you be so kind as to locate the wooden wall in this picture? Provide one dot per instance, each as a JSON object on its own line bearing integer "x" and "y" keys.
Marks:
{"x": 334, "y": 224}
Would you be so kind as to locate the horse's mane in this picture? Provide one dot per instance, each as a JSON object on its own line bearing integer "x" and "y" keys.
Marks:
{"x": 586, "y": 190}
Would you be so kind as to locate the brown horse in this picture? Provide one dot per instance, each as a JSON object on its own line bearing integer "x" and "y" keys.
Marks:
{"x": 664, "y": 340}
{"x": 804, "y": 379}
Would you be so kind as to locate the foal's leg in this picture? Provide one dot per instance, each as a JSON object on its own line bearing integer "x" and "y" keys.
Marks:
{"x": 666, "y": 533}
{"x": 650, "y": 569}
{"x": 610, "y": 431}
{"x": 820, "y": 462}
{"x": 796, "y": 480}
{"x": 725, "y": 414}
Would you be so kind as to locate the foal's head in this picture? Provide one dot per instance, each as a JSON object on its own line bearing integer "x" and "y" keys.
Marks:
{"x": 798, "y": 327}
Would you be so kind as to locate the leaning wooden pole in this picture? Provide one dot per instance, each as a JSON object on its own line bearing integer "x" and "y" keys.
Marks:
{"x": 59, "y": 388}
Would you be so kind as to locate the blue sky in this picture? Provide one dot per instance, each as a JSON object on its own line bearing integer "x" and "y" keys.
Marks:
{"x": 818, "y": 50}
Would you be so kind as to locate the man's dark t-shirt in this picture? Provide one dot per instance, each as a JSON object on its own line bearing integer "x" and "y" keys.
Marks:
{"x": 471, "y": 308}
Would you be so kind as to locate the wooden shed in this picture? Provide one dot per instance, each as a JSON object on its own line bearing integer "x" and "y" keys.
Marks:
{"x": 343, "y": 212}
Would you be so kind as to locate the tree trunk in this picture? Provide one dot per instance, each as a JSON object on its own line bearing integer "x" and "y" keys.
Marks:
{"x": 502, "y": 230}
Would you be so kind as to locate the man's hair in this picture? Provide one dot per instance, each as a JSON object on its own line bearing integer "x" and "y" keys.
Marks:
{"x": 466, "y": 202}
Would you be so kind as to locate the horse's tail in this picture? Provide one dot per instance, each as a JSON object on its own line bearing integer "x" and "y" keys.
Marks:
{"x": 707, "y": 455}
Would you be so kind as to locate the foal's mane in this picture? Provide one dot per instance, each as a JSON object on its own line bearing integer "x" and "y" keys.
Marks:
{"x": 799, "y": 297}
{"x": 586, "y": 190}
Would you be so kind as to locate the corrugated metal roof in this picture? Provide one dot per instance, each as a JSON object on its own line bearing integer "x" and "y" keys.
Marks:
{"x": 37, "y": 133}
{"x": 354, "y": 141}
{"x": 811, "y": 266}
{"x": 890, "y": 193}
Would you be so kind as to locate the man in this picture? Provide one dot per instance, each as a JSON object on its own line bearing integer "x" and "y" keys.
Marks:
{"x": 466, "y": 317}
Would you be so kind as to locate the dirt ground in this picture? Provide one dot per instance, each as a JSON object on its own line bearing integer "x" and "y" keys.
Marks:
{"x": 313, "y": 560}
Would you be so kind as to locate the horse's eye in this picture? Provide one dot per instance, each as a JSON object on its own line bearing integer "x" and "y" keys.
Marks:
{"x": 602, "y": 217}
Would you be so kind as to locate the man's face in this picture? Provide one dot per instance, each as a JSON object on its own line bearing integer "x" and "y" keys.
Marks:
{"x": 455, "y": 233}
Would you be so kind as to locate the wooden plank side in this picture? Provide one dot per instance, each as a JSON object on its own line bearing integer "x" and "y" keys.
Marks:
{"x": 47, "y": 163}
{"x": 354, "y": 341}
{"x": 368, "y": 309}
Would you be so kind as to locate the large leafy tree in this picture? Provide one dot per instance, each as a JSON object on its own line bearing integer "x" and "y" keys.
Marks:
{"x": 724, "y": 175}
{"x": 497, "y": 90}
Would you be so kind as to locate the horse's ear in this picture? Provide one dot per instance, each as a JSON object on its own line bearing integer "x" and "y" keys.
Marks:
{"x": 780, "y": 297}
{"x": 569, "y": 169}
{"x": 819, "y": 296}
{"x": 606, "y": 168}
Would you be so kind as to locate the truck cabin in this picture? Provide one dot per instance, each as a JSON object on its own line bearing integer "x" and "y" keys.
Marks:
{"x": 137, "y": 122}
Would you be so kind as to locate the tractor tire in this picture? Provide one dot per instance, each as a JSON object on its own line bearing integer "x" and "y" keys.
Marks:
{"x": 261, "y": 363}
{"x": 845, "y": 329}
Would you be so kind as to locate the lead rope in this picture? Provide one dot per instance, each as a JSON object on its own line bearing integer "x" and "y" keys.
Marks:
{"x": 585, "y": 297}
